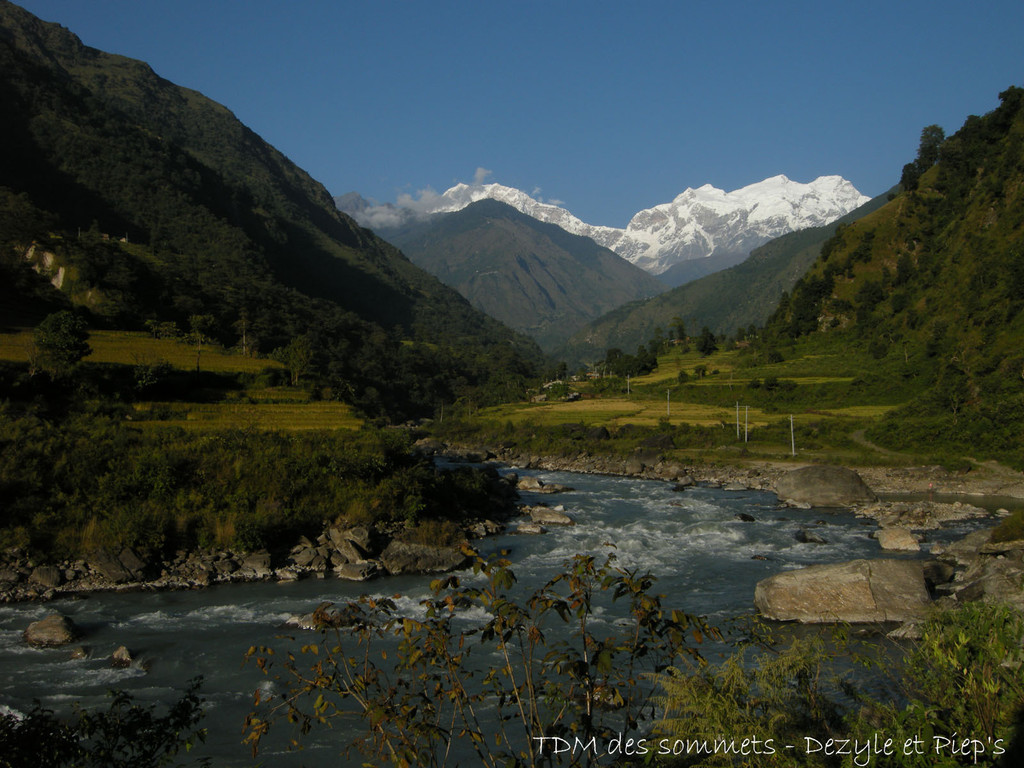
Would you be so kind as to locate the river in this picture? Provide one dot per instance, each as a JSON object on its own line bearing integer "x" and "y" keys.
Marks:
{"x": 706, "y": 558}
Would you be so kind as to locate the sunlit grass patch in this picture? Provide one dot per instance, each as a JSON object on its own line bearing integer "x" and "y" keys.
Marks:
{"x": 138, "y": 348}
{"x": 263, "y": 416}
{"x": 134, "y": 348}
{"x": 16, "y": 346}
{"x": 856, "y": 411}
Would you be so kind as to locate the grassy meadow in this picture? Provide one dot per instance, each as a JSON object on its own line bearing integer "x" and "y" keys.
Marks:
{"x": 250, "y": 404}
{"x": 732, "y": 405}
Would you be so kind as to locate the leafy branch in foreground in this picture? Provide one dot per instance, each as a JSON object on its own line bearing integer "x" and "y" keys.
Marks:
{"x": 125, "y": 735}
{"x": 442, "y": 688}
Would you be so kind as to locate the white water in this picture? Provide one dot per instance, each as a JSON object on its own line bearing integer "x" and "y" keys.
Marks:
{"x": 692, "y": 541}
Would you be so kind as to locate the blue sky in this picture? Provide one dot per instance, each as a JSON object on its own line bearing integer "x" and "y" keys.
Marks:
{"x": 606, "y": 107}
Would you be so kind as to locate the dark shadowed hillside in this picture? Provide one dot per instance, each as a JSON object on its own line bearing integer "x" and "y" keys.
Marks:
{"x": 143, "y": 200}
{"x": 534, "y": 277}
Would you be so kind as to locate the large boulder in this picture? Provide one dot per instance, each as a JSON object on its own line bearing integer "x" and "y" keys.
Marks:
{"x": 53, "y": 630}
{"x": 46, "y": 576}
{"x": 408, "y": 557}
{"x": 821, "y": 485}
{"x": 857, "y": 591}
{"x": 548, "y": 516}
{"x": 994, "y": 580}
{"x": 897, "y": 540}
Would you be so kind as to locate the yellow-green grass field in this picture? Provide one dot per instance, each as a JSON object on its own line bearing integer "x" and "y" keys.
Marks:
{"x": 615, "y": 411}
{"x": 293, "y": 416}
{"x": 279, "y": 408}
{"x": 138, "y": 348}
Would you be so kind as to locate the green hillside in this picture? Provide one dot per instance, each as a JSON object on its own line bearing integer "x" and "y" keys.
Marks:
{"x": 144, "y": 201}
{"x": 534, "y": 277}
{"x": 737, "y": 297}
{"x": 931, "y": 286}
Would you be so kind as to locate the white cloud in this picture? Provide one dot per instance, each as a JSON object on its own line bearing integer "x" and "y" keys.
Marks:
{"x": 425, "y": 201}
{"x": 481, "y": 175}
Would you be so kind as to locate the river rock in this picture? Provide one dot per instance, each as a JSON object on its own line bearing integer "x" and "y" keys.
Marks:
{"x": 805, "y": 536}
{"x": 683, "y": 482}
{"x": 856, "y": 592}
{"x": 536, "y": 485}
{"x": 897, "y": 540}
{"x": 409, "y": 557}
{"x": 920, "y": 515}
{"x": 54, "y": 630}
{"x": 108, "y": 566}
{"x": 484, "y": 528}
{"x": 133, "y": 563}
{"x": 256, "y": 565}
{"x": 530, "y": 528}
{"x": 121, "y": 658}
{"x": 47, "y": 575}
{"x": 822, "y": 485}
{"x": 363, "y": 571}
{"x": 353, "y": 544}
{"x": 993, "y": 579}
{"x": 548, "y": 516}
{"x": 965, "y": 551}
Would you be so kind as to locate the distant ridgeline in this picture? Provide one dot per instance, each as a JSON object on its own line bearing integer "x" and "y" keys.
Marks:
{"x": 932, "y": 285}
{"x": 147, "y": 201}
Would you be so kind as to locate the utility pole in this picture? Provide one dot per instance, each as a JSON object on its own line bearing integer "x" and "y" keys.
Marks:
{"x": 792, "y": 436}
{"x": 668, "y": 402}
{"x": 737, "y": 419}
{"x": 746, "y": 422}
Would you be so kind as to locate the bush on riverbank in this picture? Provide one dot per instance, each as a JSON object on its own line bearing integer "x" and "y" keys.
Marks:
{"x": 92, "y": 481}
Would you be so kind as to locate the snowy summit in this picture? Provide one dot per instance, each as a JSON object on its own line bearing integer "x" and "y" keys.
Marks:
{"x": 698, "y": 223}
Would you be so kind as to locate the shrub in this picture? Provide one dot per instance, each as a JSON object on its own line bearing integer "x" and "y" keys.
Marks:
{"x": 419, "y": 699}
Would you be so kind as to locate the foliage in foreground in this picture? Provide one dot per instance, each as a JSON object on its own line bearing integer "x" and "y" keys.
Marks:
{"x": 626, "y": 686}
{"x": 126, "y": 735}
{"x": 437, "y": 690}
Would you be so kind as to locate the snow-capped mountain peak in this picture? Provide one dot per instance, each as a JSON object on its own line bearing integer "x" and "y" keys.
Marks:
{"x": 699, "y": 222}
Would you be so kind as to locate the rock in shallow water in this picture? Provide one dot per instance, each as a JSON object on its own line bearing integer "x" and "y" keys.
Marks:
{"x": 857, "y": 591}
{"x": 54, "y": 630}
{"x": 824, "y": 486}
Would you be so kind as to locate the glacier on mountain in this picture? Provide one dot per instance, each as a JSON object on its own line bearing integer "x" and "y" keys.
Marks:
{"x": 698, "y": 223}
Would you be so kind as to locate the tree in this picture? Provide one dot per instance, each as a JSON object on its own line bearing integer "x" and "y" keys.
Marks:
{"x": 707, "y": 343}
{"x": 297, "y": 357}
{"x": 677, "y": 328}
{"x": 932, "y": 137}
{"x": 61, "y": 342}
{"x": 199, "y": 326}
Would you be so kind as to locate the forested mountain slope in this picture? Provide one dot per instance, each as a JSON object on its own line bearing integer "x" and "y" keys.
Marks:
{"x": 932, "y": 285}
{"x": 144, "y": 200}
{"x": 737, "y": 297}
{"x": 533, "y": 276}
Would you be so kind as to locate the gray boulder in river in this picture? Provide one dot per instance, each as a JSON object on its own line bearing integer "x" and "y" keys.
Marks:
{"x": 821, "y": 485}
{"x": 53, "y": 630}
{"x": 857, "y": 591}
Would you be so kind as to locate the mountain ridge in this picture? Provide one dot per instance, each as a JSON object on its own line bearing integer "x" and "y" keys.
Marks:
{"x": 535, "y": 277}
{"x": 160, "y": 205}
{"x": 697, "y": 223}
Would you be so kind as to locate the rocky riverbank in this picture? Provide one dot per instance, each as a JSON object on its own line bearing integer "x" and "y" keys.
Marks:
{"x": 340, "y": 551}
{"x": 984, "y": 479}
{"x": 972, "y": 569}
{"x": 361, "y": 552}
